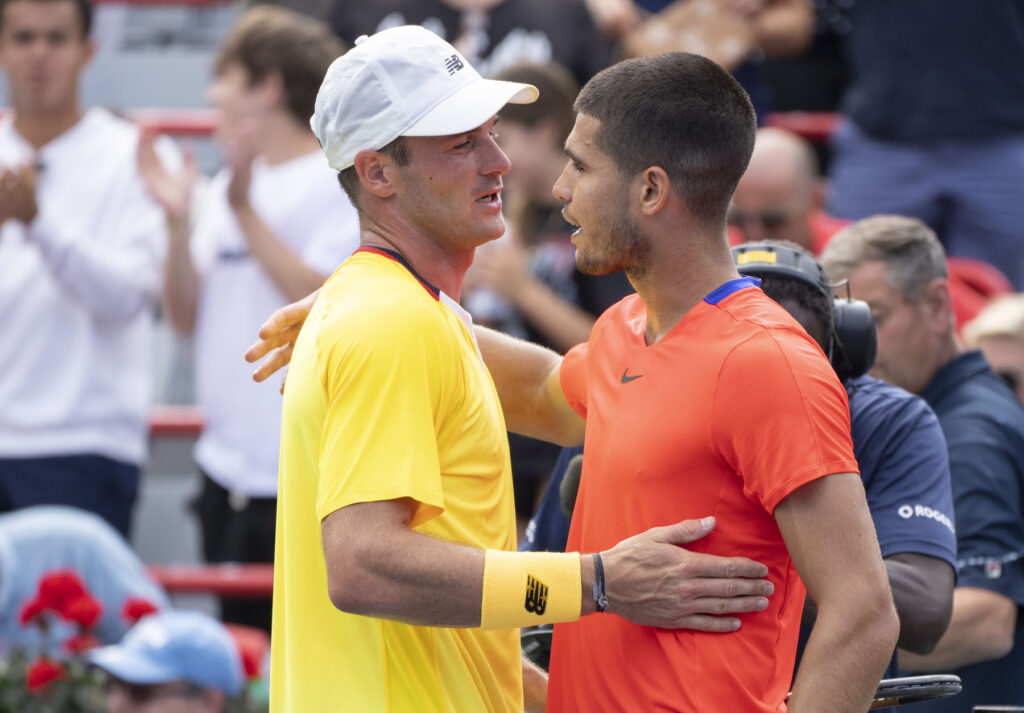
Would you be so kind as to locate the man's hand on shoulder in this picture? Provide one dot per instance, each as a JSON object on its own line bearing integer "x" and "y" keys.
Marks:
{"x": 277, "y": 337}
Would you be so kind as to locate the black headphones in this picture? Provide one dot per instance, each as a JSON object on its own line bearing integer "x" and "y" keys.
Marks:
{"x": 853, "y": 342}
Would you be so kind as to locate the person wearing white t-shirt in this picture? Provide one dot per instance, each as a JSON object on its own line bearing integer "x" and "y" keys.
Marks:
{"x": 81, "y": 252}
{"x": 273, "y": 225}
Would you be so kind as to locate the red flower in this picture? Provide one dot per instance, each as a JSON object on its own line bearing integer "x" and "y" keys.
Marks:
{"x": 135, "y": 608}
{"x": 32, "y": 610}
{"x": 81, "y": 642}
{"x": 59, "y": 587}
{"x": 250, "y": 663}
{"x": 83, "y": 610}
{"x": 42, "y": 672}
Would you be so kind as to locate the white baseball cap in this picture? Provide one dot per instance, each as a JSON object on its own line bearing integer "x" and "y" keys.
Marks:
{"x": 403, "y": 81}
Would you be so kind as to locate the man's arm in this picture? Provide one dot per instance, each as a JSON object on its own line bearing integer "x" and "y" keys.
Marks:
{"x": 535, "y": 687}
{"x": 527, "y": 378}
{"x": 378, "y": 566}
{"x": 981, "y": 629}
{"x": 526, "y": 375}
{"x": 173, "y": 193}
{"x": 286, "y": 269}
{"x": 922, "y": 588}
{"x": 831, "y": 539}
{"x": 784, "y": 27}
{"x": 115, "y": 273}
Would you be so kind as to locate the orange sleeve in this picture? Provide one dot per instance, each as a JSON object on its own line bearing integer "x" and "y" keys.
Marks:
{"x": 573, "y": 377}
{"x": 781, "y": 418}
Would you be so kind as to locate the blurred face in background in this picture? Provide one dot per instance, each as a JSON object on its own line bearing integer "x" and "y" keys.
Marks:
{"x": 242, "y": 105}
{"x": 777, "y": 191}
{"x": 173, "y": 697}
{"x": 43, "y": 49}
{"x": 909, "y": 333}
{"x": 537, "y": 159}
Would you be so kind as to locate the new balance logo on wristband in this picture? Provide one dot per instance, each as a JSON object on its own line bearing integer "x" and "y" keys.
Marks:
{"x": 536, "y": 596}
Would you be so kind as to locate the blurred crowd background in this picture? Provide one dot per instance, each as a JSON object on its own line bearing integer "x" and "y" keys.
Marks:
{"x": 867, "y": 107}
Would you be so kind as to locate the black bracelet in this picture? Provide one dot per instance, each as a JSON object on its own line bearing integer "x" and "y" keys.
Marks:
{"x": 600, "y": 598}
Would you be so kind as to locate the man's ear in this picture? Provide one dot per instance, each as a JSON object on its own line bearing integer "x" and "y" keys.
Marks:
{"x": 655, "y": 189}
{"x": 938, "y": 305}
{"x": 272, "y": 91}
{"x": 377, "y": 173}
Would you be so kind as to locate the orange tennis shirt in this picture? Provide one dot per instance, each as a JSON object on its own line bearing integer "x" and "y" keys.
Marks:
{"x": 734, "y": 409}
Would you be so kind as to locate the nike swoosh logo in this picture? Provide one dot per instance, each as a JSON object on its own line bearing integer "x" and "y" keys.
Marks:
{"x": 626, "y": 378}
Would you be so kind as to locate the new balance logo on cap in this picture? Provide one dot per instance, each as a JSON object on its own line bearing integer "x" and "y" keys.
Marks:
{"x": 536, "y": 596}
{"x": 454, "y": 64}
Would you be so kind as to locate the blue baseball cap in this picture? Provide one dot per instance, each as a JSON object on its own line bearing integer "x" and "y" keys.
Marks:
{"x": 175, "y": 646}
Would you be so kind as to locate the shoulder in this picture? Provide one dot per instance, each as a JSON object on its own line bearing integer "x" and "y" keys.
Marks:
{"x": 981, "y": 406}
{"x": 877, "y": 400}
{"x": 755, "y": 328}
{"x": 377, "y": 301}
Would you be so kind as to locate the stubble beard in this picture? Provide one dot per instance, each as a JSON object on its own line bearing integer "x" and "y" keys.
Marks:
{"x": 625, "y": 249}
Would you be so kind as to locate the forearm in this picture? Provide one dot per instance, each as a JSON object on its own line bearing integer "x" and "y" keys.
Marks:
{"x": 114, "y": 279}
{"x": 292, "y": 277}
{"x": 181, "y": 282}
{"x": 924, "y": 598}
{"x": 378, "y": 566}
{"x": 844, "y": 660}
{"x": 535, "y": 687}
{"x": 562, "y": 323}
{"x": 399, "y": 576}
{"x": 831, "y": 538}
{"x": 784, "y": 28}
{"x": 981, "y": 629}
{"x": 526, "y": 377}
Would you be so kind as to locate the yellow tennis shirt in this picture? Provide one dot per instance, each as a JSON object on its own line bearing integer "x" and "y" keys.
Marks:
{"x": 387, "y": 397}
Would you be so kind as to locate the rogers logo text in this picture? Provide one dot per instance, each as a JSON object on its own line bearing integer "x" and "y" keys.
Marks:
{"x": 907, "y": 512}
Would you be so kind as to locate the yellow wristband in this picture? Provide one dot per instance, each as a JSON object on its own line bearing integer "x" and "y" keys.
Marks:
{"x": 529, "y": 588}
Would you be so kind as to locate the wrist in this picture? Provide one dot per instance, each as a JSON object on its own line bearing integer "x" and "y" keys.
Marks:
{"x": 587, "y": 585}
{"x": 178, "y": 227}
{"x": 592, "y": 581}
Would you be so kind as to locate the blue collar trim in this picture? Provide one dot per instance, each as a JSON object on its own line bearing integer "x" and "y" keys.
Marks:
{"x": 723, "y": 291}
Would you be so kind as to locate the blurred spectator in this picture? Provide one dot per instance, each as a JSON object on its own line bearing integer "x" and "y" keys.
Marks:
{"x": 899, "y": 446}
{"x": 897, "y": 266}
{"x": 173, "y": 662}
{"x": 736, "y": 34}
{"x": 38, "y": 540}
{"x": 532, "y": 270}
{"x": 491, "y": 34}
{"x": 81, "y": 249}
{"x": 781, "y": 194}
{"x": 998, "y": 331}
{"x": 780, "y": 197}
{"x": 935, "y": 123}
{"x": 815, "y": 79}
{"x": 274, "y": 226}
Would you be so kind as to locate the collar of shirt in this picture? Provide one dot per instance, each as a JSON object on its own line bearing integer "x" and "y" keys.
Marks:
{"x": 952, "y": 374}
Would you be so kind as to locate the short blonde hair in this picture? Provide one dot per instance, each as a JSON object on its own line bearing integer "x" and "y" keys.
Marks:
{"x": 1002, "y": 317}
